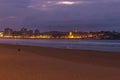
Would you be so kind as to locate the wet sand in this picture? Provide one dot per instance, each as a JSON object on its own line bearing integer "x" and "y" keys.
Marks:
{"x": 39, "y": 63}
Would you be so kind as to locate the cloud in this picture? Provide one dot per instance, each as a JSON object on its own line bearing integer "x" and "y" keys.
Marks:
{"x": 46, "y": 5}
{"x": 68, "y": 2}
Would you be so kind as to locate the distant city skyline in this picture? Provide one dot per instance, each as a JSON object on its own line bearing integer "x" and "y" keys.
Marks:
{"x": 25, "y": 33}
{"x": 61, "y": 15}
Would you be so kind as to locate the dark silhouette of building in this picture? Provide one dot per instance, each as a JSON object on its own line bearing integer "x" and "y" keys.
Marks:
{"x": 36, "y": 32}
{"x": 30, "y": 32}
{"x": 24, "y": 32}
{"x": 8, "y": 32}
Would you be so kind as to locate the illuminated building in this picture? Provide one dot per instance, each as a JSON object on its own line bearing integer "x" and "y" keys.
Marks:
{"x": 70, "y": 35}
{"x": 90, "y": 35}
{"x": 8, "y": 33}
{"x": 1, "y": 34}
{"x": 30, "y": 34}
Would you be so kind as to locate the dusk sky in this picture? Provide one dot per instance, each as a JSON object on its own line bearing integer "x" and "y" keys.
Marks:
{"x": 65, "y": 15}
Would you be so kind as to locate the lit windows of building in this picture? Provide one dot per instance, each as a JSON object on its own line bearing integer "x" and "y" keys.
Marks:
{"x": 8, "y": 32}
{"x": 70, "y": 35}
{"x": 1, "y": 34}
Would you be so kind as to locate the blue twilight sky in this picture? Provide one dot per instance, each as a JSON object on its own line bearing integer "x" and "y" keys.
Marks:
{"x": 65, "y": 15}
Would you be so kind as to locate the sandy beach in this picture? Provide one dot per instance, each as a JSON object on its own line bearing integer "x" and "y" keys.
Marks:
{"x": 39, "y": 63}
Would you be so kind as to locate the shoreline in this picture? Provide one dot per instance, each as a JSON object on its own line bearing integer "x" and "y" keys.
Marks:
{"x": 98, "y": 45}
{"x": 60, "y": 39}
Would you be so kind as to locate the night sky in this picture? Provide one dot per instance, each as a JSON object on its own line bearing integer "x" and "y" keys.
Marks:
{"x": 63, "y": 15}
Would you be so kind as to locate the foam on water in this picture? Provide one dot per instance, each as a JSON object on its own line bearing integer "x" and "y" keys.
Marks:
{"x": 101, "y": 45}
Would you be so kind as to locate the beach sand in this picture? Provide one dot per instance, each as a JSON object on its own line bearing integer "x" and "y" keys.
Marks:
{"x": 39, "y": 63}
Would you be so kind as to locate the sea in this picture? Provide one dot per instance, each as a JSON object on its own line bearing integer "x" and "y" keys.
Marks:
{"x": 99, "y": 45}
